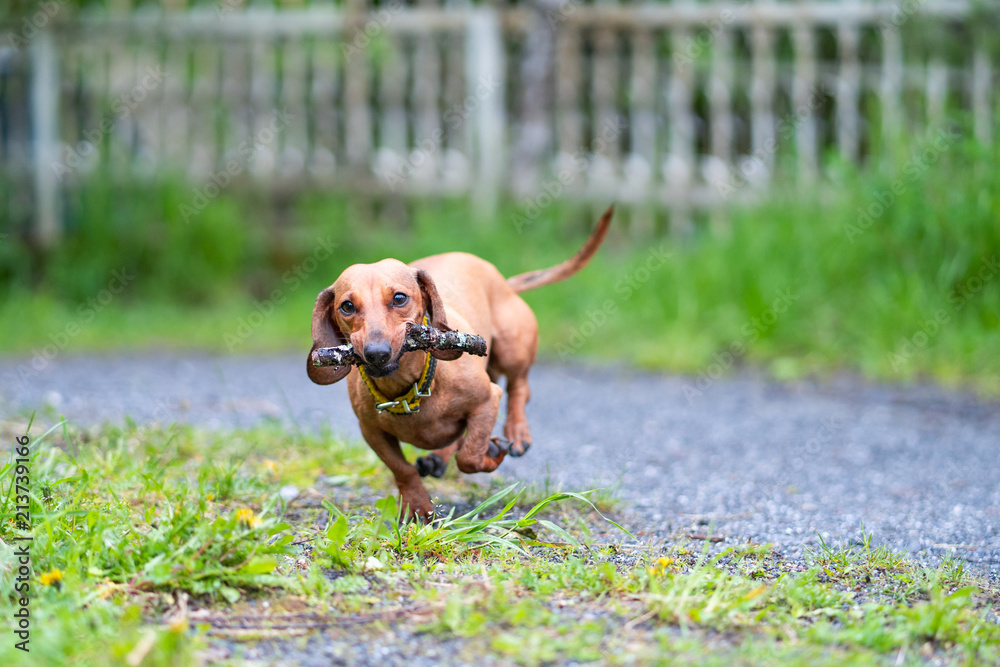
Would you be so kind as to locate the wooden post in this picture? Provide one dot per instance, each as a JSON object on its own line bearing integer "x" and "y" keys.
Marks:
{"x": 358, "y": 127}
{"x": 484, "y": 90}
{"x": 426, "y": 90}
{"x": 293, "y": 141}
{"x": 719, "y": 97}
{"x": 640, "y": 169}
{"x": 45, "y": 115}
{"x": 891, "y": 88}
{"x": 604, "y": 90}
{"x": 681, "y": 161}
{"x": 937, "y": 91}
{"x": 982, "y": 92}
{"x": 456, "y": 136}
{"x": 803, "y": 92}
{"x": 762, "y": 96}
{"x": 848, "y": 91}
{"x": 534, "y": 143}
{"x": 569, "y": 117}
{"x": 392, "y": 94}
{"x": 717, "y": 170}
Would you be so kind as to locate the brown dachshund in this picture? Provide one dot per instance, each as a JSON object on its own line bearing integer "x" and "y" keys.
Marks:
{"x": 450, "y": 408}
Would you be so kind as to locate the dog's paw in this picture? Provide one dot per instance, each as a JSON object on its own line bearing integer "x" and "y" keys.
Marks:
{"x": 421, "y": 515}
{"x": 417, "y": 505}
{"x": 432, "y": 465}
{"x": 519, "y": 435}
{"x": 476, "y": 460}
{"x": 497, "y": 447}
{"x": 519, "y": 449}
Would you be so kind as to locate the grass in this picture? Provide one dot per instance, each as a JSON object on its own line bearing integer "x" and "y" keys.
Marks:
{"x": 173, "y": 546}
{"x": 810, "y": 280}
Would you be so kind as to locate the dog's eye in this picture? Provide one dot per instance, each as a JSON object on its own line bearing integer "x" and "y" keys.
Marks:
{"x": 347, "y": 308}
{"x": 399, "y": 299}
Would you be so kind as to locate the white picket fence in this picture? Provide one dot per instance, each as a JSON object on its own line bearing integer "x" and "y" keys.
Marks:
{"x": 684, "y": 104}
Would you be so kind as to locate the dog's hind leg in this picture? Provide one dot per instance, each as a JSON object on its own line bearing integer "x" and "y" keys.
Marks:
{"x": 514, "y": 348}
{"x": 515, "y": 429}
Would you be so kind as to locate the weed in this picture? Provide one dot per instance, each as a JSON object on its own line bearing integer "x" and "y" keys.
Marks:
{"x": 151, "y": 544}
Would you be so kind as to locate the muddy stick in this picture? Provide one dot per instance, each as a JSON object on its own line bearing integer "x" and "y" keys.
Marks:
{"x": 418, "y": 337}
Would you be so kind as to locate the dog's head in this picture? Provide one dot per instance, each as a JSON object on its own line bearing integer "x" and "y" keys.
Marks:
{"x": 369, "y": 306}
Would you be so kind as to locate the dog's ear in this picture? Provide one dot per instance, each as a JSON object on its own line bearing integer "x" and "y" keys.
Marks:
{"x": 325, "y": 333}
{"x": 435, "y": 313}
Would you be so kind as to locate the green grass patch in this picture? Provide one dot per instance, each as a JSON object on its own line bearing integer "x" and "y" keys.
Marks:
{"x": 159, "y": 546}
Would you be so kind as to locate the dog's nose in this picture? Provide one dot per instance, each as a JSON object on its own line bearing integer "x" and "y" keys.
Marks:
{"x": 377, "y": 354}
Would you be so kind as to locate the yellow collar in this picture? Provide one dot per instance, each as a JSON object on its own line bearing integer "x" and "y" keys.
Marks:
{"x": 409, "y": 402}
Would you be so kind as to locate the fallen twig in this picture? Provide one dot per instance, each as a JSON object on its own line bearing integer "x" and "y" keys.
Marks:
{"x": 418, "y": 337}
{"x": 640, "y": 619}
{"x": 303, "y": 620}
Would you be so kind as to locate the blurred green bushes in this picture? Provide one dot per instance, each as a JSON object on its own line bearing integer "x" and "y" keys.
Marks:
{"x": 139, "y": 226}
{"x": 888, "y": 270}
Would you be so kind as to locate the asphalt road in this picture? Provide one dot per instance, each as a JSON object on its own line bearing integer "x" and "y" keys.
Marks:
{"x": 755, "y": 459}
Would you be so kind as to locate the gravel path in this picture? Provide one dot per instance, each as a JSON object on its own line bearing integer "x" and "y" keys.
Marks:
{"x": 771, "y": 462}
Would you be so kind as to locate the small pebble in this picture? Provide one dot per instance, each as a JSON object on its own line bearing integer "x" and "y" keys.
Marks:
{"x": 52, "y": 399}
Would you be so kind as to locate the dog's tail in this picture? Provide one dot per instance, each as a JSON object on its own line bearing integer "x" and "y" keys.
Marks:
{"x": 532, "y": 279}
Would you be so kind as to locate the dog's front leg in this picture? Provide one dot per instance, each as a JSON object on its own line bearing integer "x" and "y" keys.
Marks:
{"x": 412, "y": 494}
{"x": 477, "y": 452}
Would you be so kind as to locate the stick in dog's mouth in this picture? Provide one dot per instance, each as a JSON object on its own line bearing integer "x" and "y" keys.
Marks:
{"x": 418, "y": 337}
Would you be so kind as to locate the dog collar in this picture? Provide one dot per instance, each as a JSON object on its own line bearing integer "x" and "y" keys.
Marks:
{"x": 409, "y": 402}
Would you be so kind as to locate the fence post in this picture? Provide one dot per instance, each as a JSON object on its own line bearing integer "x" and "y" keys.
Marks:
{"x": 533, "y": 145}
{"x": 45, "y": 125}
{"x": 485, "y": 82}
